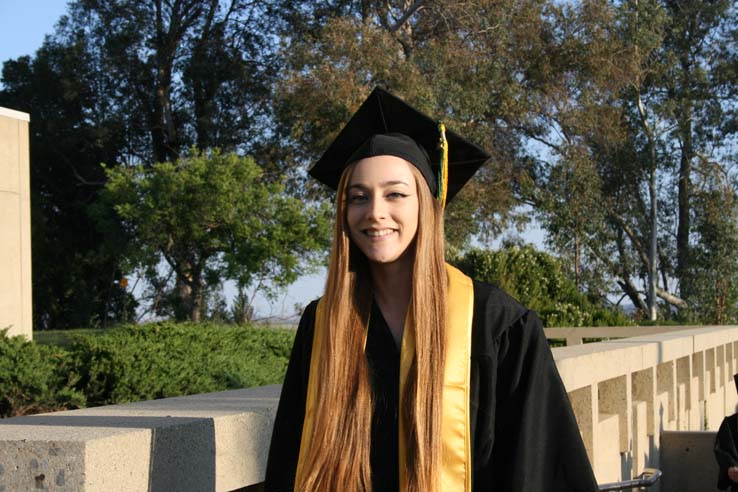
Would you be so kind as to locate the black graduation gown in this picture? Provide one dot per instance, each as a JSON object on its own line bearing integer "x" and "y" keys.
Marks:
{"x": 524, "y": 434}
{"x": 726, "y": 453}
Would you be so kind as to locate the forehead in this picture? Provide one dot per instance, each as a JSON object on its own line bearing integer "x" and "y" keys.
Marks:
{"x": 380, "y": 169}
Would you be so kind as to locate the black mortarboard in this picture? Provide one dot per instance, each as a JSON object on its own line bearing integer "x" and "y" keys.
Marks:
{"x": 735, "y": 380}
{"x": 386, "y": 125}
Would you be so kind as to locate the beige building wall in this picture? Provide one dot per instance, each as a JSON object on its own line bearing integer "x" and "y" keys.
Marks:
{"x": 15, "y": 224}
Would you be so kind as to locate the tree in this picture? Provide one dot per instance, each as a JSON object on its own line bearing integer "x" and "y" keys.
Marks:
{"x": 126, "y": 83}
{"x": 211, "y": 216}
{"x": 633, "y": 88}
{"x": 714, "y": 263}
{"x": 433, "y": 54}
{"x": 70, "y": 134}
{"x": 538, "y": 281}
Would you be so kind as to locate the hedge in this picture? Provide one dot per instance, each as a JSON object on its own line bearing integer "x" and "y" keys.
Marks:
{"x": 35, "y": 378}
{"x": 139, "y": 362}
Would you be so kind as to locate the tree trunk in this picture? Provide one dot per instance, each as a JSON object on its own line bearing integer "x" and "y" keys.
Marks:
{"x": 684, "y": 190}
{"x": 652, "y": 251}
{"x": 184, "y": 298}
{"x": 630, "y": 290}
{"x": 671, "y": 298}
{"x": 196, "y": 297}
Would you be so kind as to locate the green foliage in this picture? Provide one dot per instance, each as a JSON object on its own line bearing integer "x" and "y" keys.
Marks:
{"x": 537, "y": 280}
{"x": 212, "y": 217}
{"x": 711, "y": 285}
{"x": 65, "y": 338}
{"x": 73, "y": 270}
{"x": 124, "y": 82}
{"x": 438, "y": 60}
{"x": 160, "y": 360}
{"x": 35, "y": 378}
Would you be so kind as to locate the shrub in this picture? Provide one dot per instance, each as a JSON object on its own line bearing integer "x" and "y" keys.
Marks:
{"x": 167, "y": 359}
{"x": 35, "y": 378}
{"x": 537, "y": 280}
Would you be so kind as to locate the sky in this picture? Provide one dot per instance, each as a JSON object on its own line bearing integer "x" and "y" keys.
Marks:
{"x": 23, "y": 25}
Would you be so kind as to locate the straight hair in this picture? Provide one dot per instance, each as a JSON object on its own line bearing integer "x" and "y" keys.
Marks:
{"x": 339, "y": 454}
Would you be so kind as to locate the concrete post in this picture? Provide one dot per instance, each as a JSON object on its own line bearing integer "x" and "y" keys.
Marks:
{"x": 15, "y": 224}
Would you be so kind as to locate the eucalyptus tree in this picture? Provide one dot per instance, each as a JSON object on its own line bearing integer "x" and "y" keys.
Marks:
{"x": 451, "y": 59}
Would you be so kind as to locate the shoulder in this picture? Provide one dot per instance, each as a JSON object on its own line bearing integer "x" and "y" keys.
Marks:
{"x": 306, "y": 327}
{"x": 497, "y": 308}
{"x": 497, "y": 317}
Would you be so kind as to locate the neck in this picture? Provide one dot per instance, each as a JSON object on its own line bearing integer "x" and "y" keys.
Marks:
{"x": 393, "y": 283}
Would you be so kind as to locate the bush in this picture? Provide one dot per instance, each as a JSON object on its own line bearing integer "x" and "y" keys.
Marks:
{"x": 537, "y": 280}
{"x": 166, "y": 359}
{"x": 35, "y": 378}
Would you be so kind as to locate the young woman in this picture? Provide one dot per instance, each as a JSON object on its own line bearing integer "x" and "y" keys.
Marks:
{"x": 408, "y": 375}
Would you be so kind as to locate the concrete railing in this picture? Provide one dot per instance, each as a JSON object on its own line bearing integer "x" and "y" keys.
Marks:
{"x": 626, "y": 395}
{"x": 578, "y": 336}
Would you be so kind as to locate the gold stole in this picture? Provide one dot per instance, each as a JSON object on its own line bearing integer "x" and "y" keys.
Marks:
{"x": 455, "y": 438}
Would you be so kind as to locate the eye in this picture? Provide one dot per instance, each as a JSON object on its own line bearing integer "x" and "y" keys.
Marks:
{"x": 357, "y": 198}
{"x": 393, "y": 195}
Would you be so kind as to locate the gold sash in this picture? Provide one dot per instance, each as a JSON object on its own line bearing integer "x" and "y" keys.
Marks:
{"x": 455, "y": 438}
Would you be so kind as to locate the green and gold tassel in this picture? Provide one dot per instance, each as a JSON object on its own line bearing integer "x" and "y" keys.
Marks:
{"x": 443, "y": 172}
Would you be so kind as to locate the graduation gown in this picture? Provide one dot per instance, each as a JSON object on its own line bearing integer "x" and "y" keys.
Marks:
{"x": 726, "y": 454}
{"x": 524, "y": 436}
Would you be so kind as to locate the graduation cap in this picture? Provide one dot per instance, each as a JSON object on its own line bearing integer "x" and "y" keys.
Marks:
{"x": 735, "y": 380}
{"x": 386, "y": 125}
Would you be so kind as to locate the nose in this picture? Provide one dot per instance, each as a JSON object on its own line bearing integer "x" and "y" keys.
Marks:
{"x": 377, "y": 208}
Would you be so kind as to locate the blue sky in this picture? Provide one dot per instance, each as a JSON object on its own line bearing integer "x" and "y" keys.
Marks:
{"x": 23, "y": 25}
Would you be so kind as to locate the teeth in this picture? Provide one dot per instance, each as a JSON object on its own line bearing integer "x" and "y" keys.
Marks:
{"x": 383, "y": 232}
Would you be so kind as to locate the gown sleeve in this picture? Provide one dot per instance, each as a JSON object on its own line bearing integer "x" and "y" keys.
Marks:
{"x": 285, "y": 445}
{"x": 725, "y": 450}
{"x": 526, "y": 436}
{"x": 538, "y": 433}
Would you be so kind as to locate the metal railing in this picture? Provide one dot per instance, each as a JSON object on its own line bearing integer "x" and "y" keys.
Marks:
{"x": 649, "y": 477}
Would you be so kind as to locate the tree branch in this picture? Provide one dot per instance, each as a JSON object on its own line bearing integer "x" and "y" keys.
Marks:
{"x": 406, "y": 16}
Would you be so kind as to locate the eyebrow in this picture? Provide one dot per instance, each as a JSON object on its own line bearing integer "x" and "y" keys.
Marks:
{"x": 384, "y": 184}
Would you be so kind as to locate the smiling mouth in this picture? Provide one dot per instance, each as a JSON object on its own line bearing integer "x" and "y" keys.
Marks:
{"x": 375, "y": 233}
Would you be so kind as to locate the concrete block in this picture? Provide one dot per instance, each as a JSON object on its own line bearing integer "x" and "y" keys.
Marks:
{"x": 641, "y": 445}
{"x": 614, "y": 398}
{"x": 11, "y": 280}
{"x": 213, "y": 442}
{"x": 585, "y": 406}
{"x": 607, "y": 462}
{"x": 687, "y": 461}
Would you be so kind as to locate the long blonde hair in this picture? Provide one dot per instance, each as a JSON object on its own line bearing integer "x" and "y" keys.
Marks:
{"x": 339, "y": 455}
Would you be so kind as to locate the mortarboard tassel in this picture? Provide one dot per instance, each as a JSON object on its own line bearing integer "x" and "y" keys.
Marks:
{"x": 443, "y": 171}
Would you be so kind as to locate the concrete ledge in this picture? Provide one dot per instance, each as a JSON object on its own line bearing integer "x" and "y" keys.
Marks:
{"x": 17, "y": 115}
{"x": 200, "y": 443}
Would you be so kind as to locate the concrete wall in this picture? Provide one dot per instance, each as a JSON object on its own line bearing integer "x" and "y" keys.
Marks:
{"x": 15, "y": 224}
{"x": 200, "y": 443}
{"x": 627, "y": 395}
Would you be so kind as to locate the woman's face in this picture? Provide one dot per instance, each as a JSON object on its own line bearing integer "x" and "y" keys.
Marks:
{"x": 382, "y": 207}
